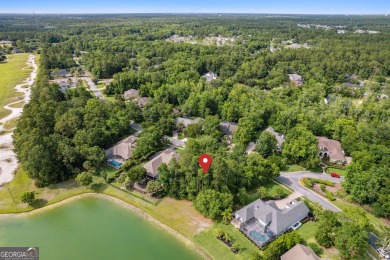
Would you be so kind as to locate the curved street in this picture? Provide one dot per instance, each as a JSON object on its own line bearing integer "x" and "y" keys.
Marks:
{"x": 291, "y": 179}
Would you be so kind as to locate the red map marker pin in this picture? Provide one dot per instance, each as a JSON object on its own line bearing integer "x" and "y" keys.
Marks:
{"x": 205, "y": 162}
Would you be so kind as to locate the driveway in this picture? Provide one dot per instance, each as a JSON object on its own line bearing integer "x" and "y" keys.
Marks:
{"x": 291, "y": 179}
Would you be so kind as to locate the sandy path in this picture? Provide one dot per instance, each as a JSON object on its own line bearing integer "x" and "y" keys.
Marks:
{"x": 8, "y": 161}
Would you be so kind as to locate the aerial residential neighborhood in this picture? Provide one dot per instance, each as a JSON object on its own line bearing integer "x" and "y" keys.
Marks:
{"x": 253, "y": 130}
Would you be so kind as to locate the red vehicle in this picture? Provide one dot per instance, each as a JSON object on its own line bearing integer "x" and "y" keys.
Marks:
{"x": 335, "y": 175}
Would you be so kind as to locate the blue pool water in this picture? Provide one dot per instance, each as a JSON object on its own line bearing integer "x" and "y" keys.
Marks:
{"x": 114, "y": 163}
{"x": 257, "y": 236}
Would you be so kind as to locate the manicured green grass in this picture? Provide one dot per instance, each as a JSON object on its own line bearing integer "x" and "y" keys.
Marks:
{"x": 108, "y": 170}
{"x": 308, "y": 230}
{"x": 292, "y": 168}
{"x": 47, "y": 195}
{"x": 272, "y": 188}
{"x": 338, "y": 171}
{"x": 379, "y": 224}
{"x": 13, "y": 72}
{"x": 219, "y": 250}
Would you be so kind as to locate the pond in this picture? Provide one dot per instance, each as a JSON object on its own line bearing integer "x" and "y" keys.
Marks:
{"x": 92, "y": 228}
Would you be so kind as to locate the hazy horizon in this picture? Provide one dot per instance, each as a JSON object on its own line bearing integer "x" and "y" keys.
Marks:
{"x": 330, "y": 7}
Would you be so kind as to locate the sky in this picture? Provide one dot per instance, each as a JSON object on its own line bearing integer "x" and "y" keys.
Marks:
{"x": 198, "y": 6}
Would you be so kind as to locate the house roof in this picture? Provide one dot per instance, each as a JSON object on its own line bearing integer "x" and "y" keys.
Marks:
{"x": 6, "y": 42}
{"x": 295, "y": 77}
{"x": 187, "y": 121}
{"x": 166, "y": 156}
{"x": 175, "y": 111}
{"x": 300, "y": 252}
{"x": 228, "y": 127}
{"x": 332, "y": 147}
{"x": 131, "y": 93}
{"x": 275, "y": 219}
{"x": 62, "y": 73}
{"x": 141, "y": 101}
{"x": 123, "y": 148}
{"x": 278, "y": 136}
{"x": 209, "y": 76}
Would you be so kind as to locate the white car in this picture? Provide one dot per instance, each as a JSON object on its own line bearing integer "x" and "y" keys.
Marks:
{"x": 296, "y": 226}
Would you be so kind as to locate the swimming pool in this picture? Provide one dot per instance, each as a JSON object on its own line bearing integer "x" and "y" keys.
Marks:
{"x": 115, "y": 163}
{"x": 257, "y": 236}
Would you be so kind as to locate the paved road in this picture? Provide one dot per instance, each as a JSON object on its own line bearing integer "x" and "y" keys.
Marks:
{"x": 292, "y": 180}
{"x": 93, "y": 87}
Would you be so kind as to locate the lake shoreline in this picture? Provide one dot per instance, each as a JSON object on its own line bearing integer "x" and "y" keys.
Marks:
{"x": 139, "y": 212}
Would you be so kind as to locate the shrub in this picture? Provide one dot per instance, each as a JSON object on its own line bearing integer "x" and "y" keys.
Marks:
{"x": 121, "y": 179}
{"x": 329, "y": 195}
{"x": 307, "y": 182}
{"x": 322, "y": 186}
{"x": 84, "y": 178}
{"x": 325, "y": 182}
{"x": 219, "y": 232}
{"x": 316, "y": 248}
{"x": 27, "y": 197}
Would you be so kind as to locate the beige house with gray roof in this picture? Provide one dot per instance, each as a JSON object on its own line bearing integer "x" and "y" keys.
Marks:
{"x": 122, "y": 150}
{"x": 331, "y": 149}
{"x": 166, "y": 156}
{"x": 263, "y": 221}
{"x": 131, "y": 93}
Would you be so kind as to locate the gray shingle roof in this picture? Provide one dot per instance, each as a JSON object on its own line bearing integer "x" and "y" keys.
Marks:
{"x": 300, "y": 252}
{"x": 277, "y": 220}
{"x": 166, "y": 156}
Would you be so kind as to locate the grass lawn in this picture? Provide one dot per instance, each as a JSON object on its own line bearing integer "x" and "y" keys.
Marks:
{"x": 308, "y": 230}
{"x": 338, "y": 171}
{"x": 378, "y": 223}
{"x": 13, "y": 72}
{"x": 109, "y": 98}
{"x": 218, "y": 250}
{"x": 48, "y": 195}
{"x": 292, "y": 168}
{"x": 108, "y": 170}
{"x": 272, "y": 188}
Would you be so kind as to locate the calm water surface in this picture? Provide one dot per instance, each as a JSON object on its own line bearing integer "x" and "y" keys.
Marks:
{"x": 92, "y": 228}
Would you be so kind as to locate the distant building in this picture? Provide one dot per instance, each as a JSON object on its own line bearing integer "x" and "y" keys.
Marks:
{"x": 141, "y": 101}
{"x": 331, "y": 149}
{"x": 166, "y": 156}
{"x": 250, "y": 147}
{"x": 131, "y": 93}
{"x": 61, "y": 73}
{"x": 279, "y": 138}
{"x": 16, "y": 50}
{"x": 351, "y": 85}
{"x": 210, "y": 76}
{"x": 6, "y": 42}
{"x": 300, "y": 252}
{"x": 228, "y": 128}
{"x": 122, "y": 150}
{"x": 63, "y": 85}
{"x": 187, "y": 121}
{"x": 175, "y": 111}
{"x": 296, "y": 79}
{"x": 263, "y": 221}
